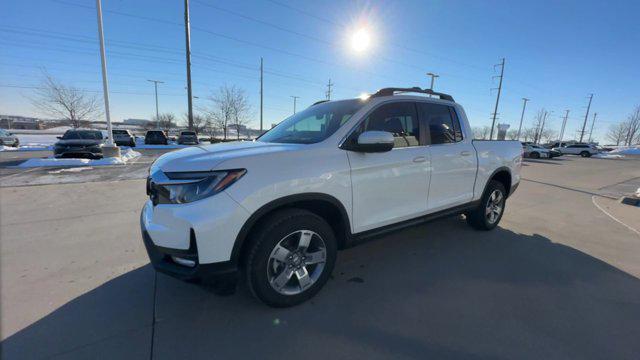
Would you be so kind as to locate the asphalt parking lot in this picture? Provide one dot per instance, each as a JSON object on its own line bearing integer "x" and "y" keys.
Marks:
{"x": 559, "y": 278}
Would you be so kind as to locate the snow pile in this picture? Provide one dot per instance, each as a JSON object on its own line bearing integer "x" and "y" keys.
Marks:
{"x": 608, "y": 156}
{"x": 127, "y": 155}
{"x": 626, "y": 150}
{"x": 7, "y": 148}
{"x": 71, "y": 170}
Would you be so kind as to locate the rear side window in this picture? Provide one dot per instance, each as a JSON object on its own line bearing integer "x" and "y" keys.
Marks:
{"x": 400, "y": 119}
{"x": 442, "y": 122}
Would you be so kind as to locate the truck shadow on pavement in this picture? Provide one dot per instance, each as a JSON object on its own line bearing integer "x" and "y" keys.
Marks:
{"x": 439, "y": 290}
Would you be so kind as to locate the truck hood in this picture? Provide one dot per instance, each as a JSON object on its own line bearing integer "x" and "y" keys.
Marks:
{"x": 208, "y": 157}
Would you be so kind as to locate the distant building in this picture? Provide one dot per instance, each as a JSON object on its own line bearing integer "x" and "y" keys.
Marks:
{"x": 20, "y": 122}
{"x": 137, "y": 122}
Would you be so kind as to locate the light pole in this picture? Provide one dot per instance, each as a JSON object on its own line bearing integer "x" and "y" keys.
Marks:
{"x": 295, "y": 99}
{"x": 187, "y": 32}
{"x": 110, "y": 150}
{"x": 524, "y": 106}
{"x": 155, "y": 84}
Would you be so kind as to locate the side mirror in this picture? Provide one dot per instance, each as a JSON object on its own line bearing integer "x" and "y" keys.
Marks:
{"x": 374, "y": 141}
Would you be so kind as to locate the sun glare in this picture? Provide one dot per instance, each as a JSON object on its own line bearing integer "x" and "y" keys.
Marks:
{"x": 361, "y": 40}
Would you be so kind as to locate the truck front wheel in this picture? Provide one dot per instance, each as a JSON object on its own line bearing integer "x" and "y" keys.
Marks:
{"x": 291, "y": 257}
{"x": 488, "y": 214}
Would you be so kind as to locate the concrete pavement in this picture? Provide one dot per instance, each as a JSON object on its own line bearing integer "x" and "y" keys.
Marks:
{"x": 558, "y": 279}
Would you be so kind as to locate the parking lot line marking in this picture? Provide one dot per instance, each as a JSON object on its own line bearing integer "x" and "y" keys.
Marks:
{"x": 593, "y": 200}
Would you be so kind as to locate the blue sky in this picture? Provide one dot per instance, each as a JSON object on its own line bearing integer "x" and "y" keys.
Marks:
{"x": 557, "y": 52}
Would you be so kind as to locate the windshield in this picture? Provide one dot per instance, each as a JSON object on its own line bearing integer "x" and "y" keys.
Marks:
{"x": 313, "y": 124}
{"x": 82, "y": 135}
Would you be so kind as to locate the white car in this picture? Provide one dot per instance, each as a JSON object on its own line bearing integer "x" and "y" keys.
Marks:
{"x": 584, "y": 150}
{"x": 277, "y": 209}
{"x": 536, "y": 151}
{"x": 8, "y": 139}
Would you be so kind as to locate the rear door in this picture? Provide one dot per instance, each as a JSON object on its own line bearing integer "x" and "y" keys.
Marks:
{"x": 453, "y": 157}
{"x": 392, "y": 186}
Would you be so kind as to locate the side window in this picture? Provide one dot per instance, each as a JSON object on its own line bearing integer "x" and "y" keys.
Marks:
{"x": 400, "y": 119}
{"x": 440, "y": 119}
{"x": 456, "y": 124}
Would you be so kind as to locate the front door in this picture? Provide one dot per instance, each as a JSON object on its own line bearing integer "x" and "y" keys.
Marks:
{"x": 392, "y": 186}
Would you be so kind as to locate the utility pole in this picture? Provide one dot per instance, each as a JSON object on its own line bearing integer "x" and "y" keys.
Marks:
{"x": 261, "y": 91}
{"x": 495, "y": 111}
{"x": 295, "y": 99}
{"x": 187, "y": 32}
{"x": 585, "y": 117}
{"x": 110, "y": 150}
{"x": 524, "y": 106}
{"x": 155, "y": 83}
{"x": 564, "y": 124}
{"x": 592, "y": 123}
{"x": 329, "y": 85}
{"x": 544, "y": 120}
{"x": 433, "y": 79}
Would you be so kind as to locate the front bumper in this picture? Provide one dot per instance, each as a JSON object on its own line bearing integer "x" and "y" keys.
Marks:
{"x": 162, "y": 260}
{"x": 75, "y": 153}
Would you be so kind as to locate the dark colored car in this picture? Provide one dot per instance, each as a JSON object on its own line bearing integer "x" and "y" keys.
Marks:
{"x": 80, "y": 143}
{"x": 188, "y": 138}
{"x": 156, "y": 137}
{"x": 554, "y": 153}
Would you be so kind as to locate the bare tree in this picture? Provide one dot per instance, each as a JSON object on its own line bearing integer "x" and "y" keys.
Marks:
{"x": 229, "y": 105}
{"x": 528, "y": 133}
{"x": 72, "y": 104}
{"x": 240, "y": 111}
{"x": 617, "y": 133}
{"x": 481, "y": 133}
{"x": 166, "y": 121}
{"x": 199, "y": 122}
{"x": 547, "y": 135}
{"x": 537, "y": 125}
{"x": 633, "y": 127}
{"x": 512, "y": 134}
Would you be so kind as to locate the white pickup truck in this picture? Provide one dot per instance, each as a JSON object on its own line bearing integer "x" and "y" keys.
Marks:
{"x": 276, "y": 210}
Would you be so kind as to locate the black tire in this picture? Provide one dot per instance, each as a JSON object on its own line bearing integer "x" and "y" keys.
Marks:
{"x": 133, "y": 144}
{"x": 585, "y": 154}
{"x": 477, "y": 218}
{"x": 270, "y": 233}
{"x": 535, "y": 155}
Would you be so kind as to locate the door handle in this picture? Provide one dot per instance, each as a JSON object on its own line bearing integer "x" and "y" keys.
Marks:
{"x": 419, "y": 159}
{"x": 465, "y": 153}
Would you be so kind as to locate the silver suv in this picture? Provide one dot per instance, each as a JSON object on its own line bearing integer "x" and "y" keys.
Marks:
{"x": 7, "y": 138}
{"x": 584, "y": 150}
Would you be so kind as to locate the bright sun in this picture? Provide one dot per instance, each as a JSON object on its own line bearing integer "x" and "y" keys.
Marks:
{"x": 360, "y": 40}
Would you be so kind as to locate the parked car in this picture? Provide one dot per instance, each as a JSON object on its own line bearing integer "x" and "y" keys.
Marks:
{"x": 536, "y": 151}
{"x": 584, "y": 150}
{"x": 327, "y": 177}
{"x": 79, "y": 143}
{"x": 8, "y": 139}
{"x": 188, "y": 138}
{"x": 124, "y": 137}
{"x": 554, "y": 153}
{"x": 156, "y": 137}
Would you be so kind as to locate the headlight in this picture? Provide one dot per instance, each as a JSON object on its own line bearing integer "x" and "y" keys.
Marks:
{"x": 186, "y": 187}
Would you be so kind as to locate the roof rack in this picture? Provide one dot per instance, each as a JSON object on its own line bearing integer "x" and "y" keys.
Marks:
{"x": 392, "y": 90}
{"x": 319, "y": 102}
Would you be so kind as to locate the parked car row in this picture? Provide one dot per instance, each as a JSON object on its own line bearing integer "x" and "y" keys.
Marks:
{"x": 8, "y": 139}
{"x": 536, "y": 151}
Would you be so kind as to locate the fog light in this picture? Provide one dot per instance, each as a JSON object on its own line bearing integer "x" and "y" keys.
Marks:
{"x": 183, "y": 262}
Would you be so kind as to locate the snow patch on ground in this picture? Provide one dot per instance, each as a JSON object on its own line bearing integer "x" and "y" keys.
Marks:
{"x": 626, "y": 150}
{"x": 71, "y": 170}
{"x": 608, "y": 156}
{"x": 7, "y": 148}
{"x": 127, "y": 155}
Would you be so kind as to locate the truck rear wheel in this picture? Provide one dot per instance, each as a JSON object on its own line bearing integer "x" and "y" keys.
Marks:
{"x": 488, "y": 214}
{"x": 291, "y": 257}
